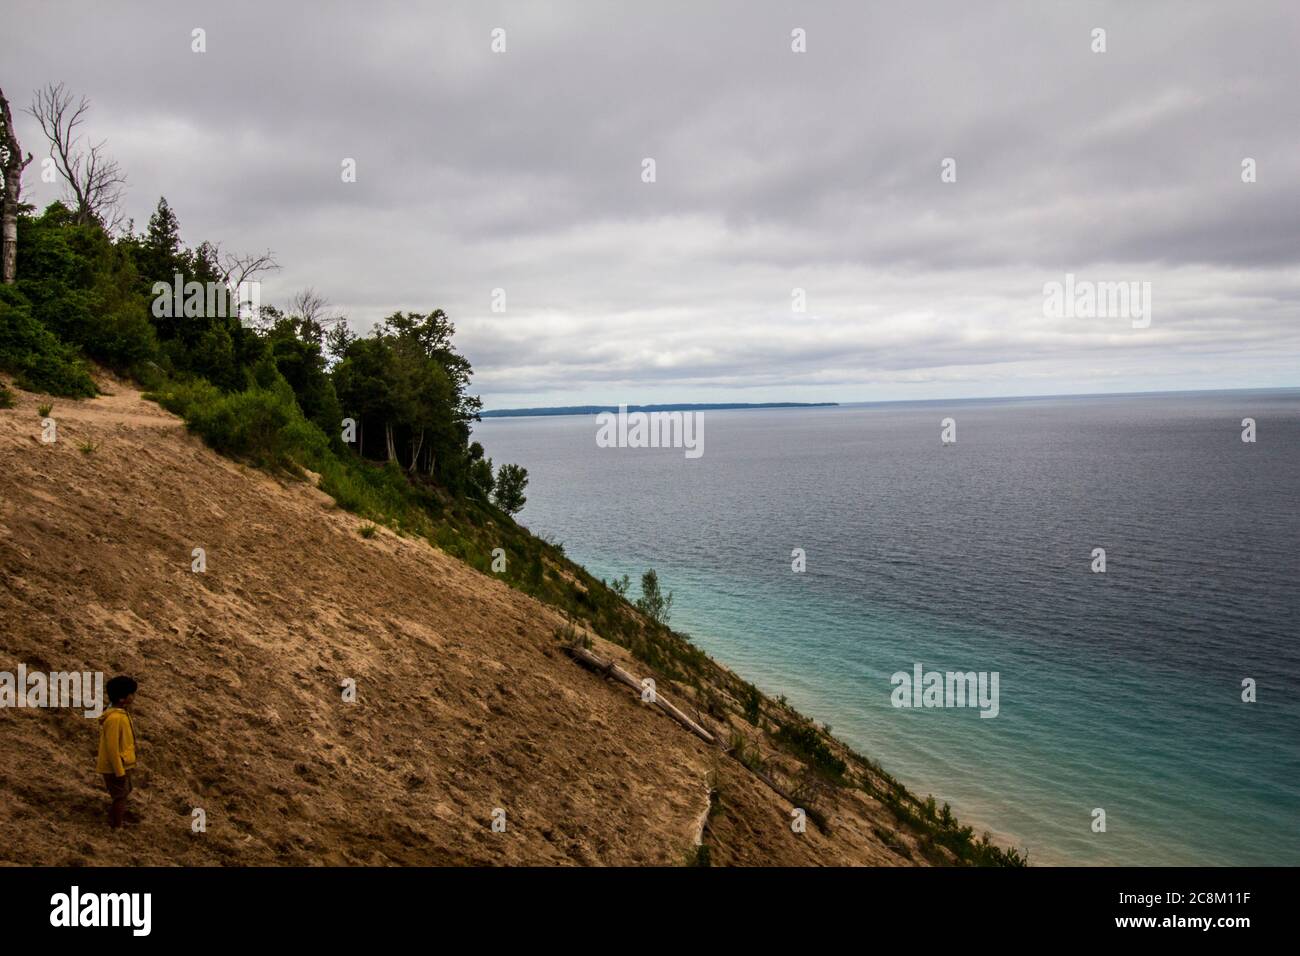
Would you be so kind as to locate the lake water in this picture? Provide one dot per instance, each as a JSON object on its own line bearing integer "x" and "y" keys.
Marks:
{"x": 1119, "y": 690}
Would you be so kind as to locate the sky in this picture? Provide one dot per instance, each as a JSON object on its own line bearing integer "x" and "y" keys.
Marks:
{"x": 775, "y": 170}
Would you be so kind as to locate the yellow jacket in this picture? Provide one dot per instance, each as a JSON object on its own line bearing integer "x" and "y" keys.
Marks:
{"x": 116, "y": 742}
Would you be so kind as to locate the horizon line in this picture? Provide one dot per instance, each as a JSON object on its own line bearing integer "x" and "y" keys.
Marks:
{"x": 558, "y": 411}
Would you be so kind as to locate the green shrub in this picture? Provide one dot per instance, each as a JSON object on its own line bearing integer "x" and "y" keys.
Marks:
{"x": 114, "y": 332}
{"x": 38, "y": 360}
{"x": 378, "y": 492}
{"x": 939, "y": 829}
{"x": 178, "y": 396}
{"x": 653, "y": 603}
{"x": 753, "y": 702}
{"x": 804, "y": 742}
{"x": 259, "y": 425}
{"x": 83, "y": 289}
{"x": 749, "y": 757}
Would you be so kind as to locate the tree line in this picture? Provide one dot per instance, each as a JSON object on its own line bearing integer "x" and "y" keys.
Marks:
{"x": 80, "y": 284}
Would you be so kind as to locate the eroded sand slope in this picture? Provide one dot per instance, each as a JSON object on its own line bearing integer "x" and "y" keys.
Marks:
{"x": 466, "y": 702}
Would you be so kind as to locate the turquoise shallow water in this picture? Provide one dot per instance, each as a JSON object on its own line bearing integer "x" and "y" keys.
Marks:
{"x": 1118, "y": 690}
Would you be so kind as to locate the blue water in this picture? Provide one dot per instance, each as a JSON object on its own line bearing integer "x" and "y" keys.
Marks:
{"x": 1119, "y": 691}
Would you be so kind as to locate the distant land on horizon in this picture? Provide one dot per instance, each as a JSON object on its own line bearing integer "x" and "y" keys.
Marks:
{"x": 686, "y": 407}
{"x": 721, "y": 406}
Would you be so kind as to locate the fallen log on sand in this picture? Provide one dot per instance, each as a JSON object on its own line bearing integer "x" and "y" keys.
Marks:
{"x": 609, "y": 668}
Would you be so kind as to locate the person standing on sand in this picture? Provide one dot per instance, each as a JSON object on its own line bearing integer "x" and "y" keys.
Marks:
{"x": 117, "y": 746}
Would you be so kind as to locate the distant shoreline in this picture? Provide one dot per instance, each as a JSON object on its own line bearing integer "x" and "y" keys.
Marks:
{"x": 968, "y": 399}
{"x": 685, "y": 407}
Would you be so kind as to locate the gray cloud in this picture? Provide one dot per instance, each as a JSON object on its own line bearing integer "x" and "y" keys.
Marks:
{"x": 775, "y": 170}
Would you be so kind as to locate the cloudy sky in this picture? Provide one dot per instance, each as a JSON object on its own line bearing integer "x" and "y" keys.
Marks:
{"x": 774, "y": 171}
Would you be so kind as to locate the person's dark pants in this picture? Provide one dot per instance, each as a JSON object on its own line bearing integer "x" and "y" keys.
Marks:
{"x": 119, "y": 788}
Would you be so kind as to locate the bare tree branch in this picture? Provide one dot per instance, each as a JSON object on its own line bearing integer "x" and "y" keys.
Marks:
{"x": 308, "y": 305}
{"x": 237, "y": 268}
{"x": 95, "y": 183}
{"x": 312, "y": 312}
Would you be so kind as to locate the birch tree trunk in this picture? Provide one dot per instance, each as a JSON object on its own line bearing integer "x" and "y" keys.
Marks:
{"x": 415, "y": 456}
{"x": 14, "y": 164}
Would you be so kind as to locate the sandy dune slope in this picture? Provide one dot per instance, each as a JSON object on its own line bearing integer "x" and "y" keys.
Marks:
{"x": 466, "y": 702}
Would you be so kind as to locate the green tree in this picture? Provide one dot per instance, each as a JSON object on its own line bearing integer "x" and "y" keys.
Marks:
{"x": 481, "y": 479}
{"x": 35, "y": 356}
{"x": 83, "y": 287}
{"x": 653, "y": 603}
{"x": 407, "y": 387}
{"x": 158, "y": 253}
{"x": 363, "y": 381}
{"x": 510, "y": 485}
{"x": 338, "y": 339}
{"x": 295, "y": 347}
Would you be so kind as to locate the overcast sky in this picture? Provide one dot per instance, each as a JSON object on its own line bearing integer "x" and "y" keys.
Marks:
{"x": 775, "y": 170}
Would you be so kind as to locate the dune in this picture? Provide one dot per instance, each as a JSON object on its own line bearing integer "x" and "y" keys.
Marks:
{"x": 467, "y": 709}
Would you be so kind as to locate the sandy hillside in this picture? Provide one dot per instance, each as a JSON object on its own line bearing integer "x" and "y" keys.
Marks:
{"x": 466, "y": 701}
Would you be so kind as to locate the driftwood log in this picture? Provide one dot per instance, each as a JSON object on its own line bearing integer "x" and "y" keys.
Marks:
{"x": 610, "y": 669}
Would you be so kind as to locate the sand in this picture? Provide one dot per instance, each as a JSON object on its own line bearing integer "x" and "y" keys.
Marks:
{"x": 466, "y": 703}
